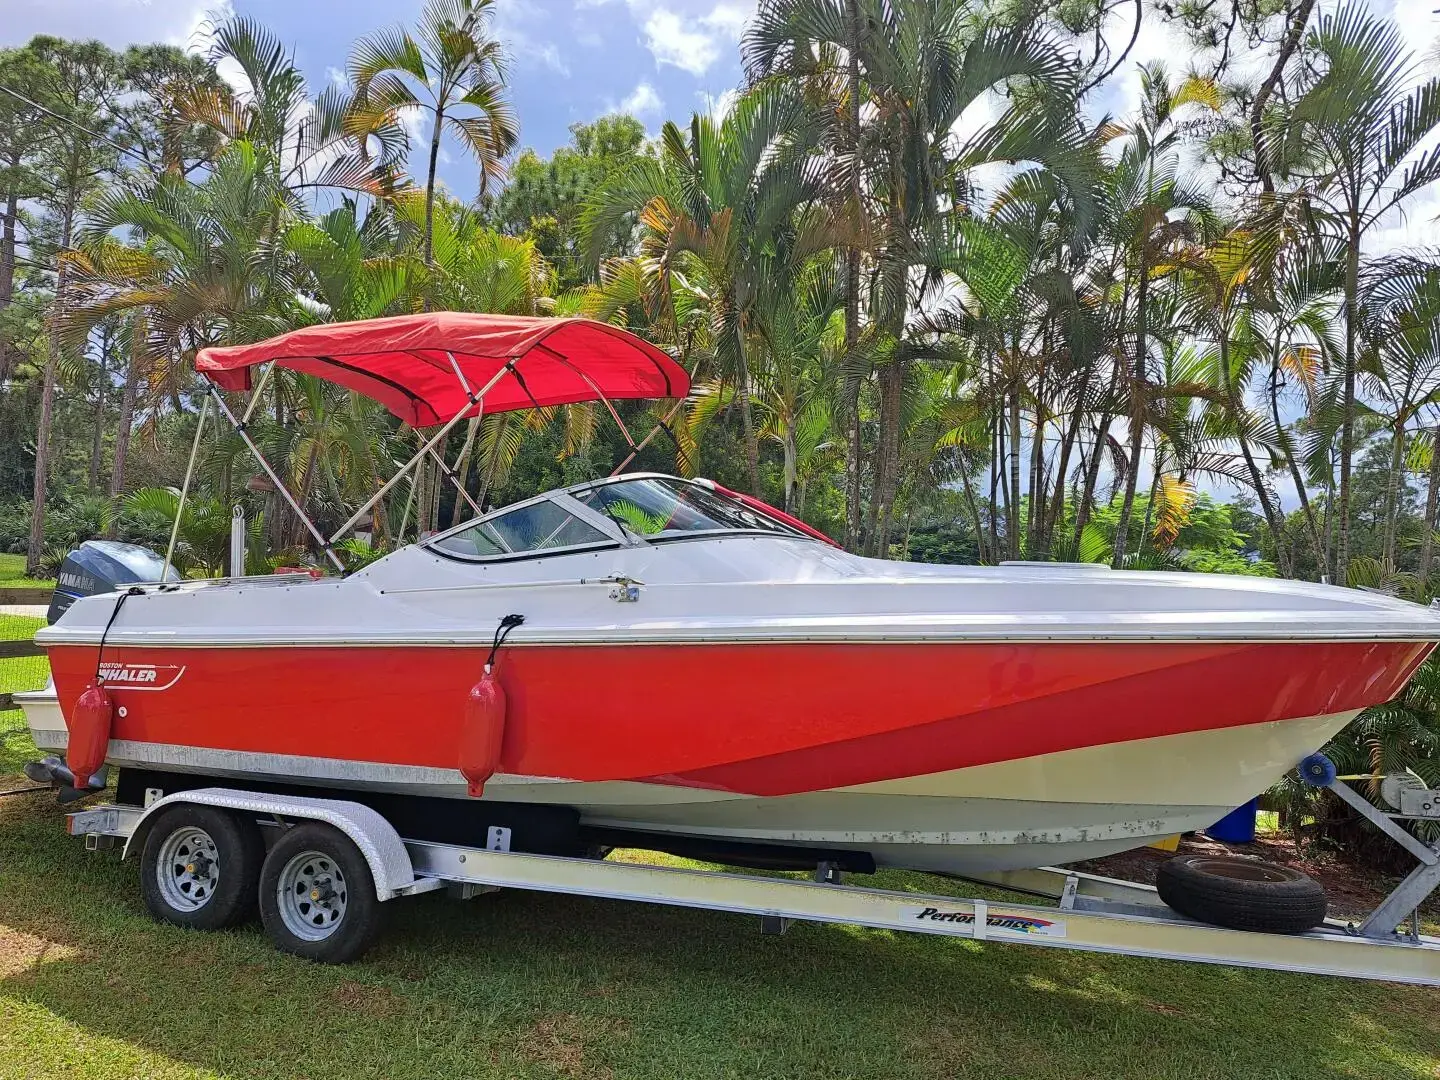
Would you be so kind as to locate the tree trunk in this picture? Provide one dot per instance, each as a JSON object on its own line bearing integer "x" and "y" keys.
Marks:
{"x": 892, "y": 375}
{"x": 1432, "y": 495}
{"x": 747, "y": 417}
{"x": 1257, "y": 481}
{"x": 1012, "y": 501}
{"x": 1137, "y": 416}
{"x": 126, "y": 419}
{"x": 790, "y": 470}
{"x": 1317, "y": 545}
{"x": 1267, "y": 89}
{"x": 1150, "y": 504}
{"x": 7, "y": 271}
{"x": 1102, "y": 432}
{"x": 1392, "y": 492}
{"x": 974, "y": 511}
{"x": 1056, "y": 513}
{"x": 1347, "y": 426}
{"x": 462, "y": 468}
{"x": 97, "y": 434}
{"x": 430, "y": 189}
{"x": 892, "y": 382}
{"x": 47, "y": 398}
{"x": 852, "y": 288}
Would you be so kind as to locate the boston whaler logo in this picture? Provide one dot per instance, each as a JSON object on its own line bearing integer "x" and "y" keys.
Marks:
{"x": 140, "y": 676}
{"x": 1002, "y": 921}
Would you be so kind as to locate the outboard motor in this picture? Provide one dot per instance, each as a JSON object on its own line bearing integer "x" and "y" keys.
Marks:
{"x": 101, "y": 566}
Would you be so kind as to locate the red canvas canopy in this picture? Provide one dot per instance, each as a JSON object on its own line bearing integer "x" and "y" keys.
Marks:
{"x": 404, "y": 363}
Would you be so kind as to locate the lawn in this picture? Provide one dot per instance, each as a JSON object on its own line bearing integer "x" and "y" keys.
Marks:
{"x": 12, "y": 574}
{"x": 521, "y": 985}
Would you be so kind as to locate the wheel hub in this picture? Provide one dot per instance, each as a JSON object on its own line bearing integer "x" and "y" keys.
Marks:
{"x": 312, "y": 895}
{"x": 188, "y": 868}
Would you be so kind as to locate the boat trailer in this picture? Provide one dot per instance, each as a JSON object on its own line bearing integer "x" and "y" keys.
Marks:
{"x": 1093, "y": 913}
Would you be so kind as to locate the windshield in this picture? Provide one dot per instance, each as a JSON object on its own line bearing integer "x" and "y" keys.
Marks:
{"x": 537, "y": 526}
{"x": 653, "y": 507}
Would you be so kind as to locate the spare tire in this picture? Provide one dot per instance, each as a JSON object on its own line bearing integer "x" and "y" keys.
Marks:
{"x": 1241, "y": 894}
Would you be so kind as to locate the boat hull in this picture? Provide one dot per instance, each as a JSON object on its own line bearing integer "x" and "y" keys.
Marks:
{"x": 952, "y": 756}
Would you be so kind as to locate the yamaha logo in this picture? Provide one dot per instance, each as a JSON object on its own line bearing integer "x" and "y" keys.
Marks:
{"x": 140, "y": 676}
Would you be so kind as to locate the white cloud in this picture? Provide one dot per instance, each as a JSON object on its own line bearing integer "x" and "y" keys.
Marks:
{"x": 415, "y": 121}
{"x": 523, "y": 26}
{"x": 719, "y": 106}
{"x": 676, "y": 41}
{"x": 691, "y": 38}
{"x": 729, "y": 18}
{"x": 642, "y": 101}
{"x": 337, "y": 77}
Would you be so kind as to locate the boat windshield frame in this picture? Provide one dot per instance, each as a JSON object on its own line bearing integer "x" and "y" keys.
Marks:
{"x": 620, "y": 535}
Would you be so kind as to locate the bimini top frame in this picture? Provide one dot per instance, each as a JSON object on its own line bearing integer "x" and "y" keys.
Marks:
{"x": 443, "y": 367}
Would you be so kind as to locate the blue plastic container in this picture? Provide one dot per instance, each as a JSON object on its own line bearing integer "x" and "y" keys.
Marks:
{"x": 1238, "y": 826}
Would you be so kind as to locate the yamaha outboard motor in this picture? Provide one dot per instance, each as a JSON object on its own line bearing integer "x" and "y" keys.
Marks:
{"x": 101, "y": 566}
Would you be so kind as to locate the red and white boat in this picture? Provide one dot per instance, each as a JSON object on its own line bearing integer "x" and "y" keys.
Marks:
{"x": 697, "y": 672}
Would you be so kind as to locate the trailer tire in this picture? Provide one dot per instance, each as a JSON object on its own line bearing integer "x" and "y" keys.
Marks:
{"x": 317, "y": 895}
{"x": 1242, "y": 894}
{"x": 199, "y": 867}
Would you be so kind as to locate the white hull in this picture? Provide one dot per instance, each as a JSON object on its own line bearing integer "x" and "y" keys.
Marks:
{"x": 1009, "y": 815}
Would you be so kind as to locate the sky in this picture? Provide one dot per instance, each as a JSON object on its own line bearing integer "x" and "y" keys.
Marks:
{"x": 575, "y": 60}
{"x": 570, "y": 60}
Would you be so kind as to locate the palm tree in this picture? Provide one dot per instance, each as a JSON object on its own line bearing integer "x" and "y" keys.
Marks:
{"x": 306, "y": 143}
{"x": 1400, "y": 363}
{"x": 1353, "y": 144}
{"x": 923, "y": 63}
{"x": 1155, "y": 210}
{"x": 453, "y": 71}
{"x": 715, "y": 207}
{"x": 213, "y": 270}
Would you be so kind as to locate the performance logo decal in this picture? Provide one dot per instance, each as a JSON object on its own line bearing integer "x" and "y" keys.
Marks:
{"x": 129, "y": 676}
{"x": 994, "y": 920}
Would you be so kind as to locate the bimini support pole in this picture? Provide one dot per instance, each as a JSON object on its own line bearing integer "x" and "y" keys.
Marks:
{"x": 663, "y": 424}
{"x": 185, "y": 488}
{"x": 240, "y": 429}
{"x": 476, "y": 399}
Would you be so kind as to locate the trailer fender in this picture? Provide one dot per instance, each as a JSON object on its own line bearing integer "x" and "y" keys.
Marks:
{"x": 376, "y": 838}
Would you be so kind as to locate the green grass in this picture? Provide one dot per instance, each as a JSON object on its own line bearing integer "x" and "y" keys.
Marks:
{"x": 521, "y": 985}
{"x": 12, "y": 574}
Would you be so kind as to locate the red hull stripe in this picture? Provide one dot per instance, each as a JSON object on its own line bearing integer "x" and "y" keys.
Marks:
{"x": 758, "y": 719}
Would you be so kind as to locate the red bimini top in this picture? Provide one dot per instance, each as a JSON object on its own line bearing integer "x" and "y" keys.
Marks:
{"x": 405, "y": 363}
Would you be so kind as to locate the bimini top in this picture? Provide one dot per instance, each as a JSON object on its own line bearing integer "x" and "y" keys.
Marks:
{"x": 428, "y": 369}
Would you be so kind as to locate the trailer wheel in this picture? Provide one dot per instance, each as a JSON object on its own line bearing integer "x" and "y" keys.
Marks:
{"x": 199, "y": 867}
{"x": 1241, "y": 894}
{"x": 317, "y": 896}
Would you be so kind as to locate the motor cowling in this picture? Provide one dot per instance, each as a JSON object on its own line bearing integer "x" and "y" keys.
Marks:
{"x": 89, "y": 723}
{"x": 482, "y": 732}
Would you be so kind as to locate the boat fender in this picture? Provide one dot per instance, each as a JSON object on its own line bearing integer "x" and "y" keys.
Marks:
{"x": 89, "y": 723}
{"x": 92, "y": 715}
{"x": 482, "y": 728}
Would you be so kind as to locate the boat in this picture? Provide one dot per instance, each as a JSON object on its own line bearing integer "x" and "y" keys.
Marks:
{"x": 687, "y": 669}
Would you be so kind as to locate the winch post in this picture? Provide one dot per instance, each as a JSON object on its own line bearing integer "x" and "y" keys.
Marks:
{"x": 1403, "y": 903}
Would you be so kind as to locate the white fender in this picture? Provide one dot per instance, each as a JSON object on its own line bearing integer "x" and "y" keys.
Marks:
{"x": 375, "y": 837}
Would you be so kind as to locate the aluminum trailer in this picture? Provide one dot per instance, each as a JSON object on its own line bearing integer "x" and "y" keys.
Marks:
{"x": 327, "y": 864}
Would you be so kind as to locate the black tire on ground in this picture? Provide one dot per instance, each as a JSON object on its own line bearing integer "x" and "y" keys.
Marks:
{"x": 1241, "y": 894}
{"x": 199, "y": 867}
{"x": 317, "y": 895}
